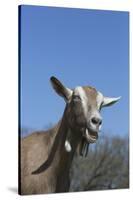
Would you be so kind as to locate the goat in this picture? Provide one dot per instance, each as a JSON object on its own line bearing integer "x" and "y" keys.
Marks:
{"x": 46, "y": 156}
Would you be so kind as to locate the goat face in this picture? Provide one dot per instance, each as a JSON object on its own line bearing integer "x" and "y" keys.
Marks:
{"x": 83, "y": 108}
{"x": 84, "y": 113}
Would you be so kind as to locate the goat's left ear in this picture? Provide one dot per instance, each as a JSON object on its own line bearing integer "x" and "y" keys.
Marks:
{"x": 108, "y": 101}
{"x": 60, "y": 89}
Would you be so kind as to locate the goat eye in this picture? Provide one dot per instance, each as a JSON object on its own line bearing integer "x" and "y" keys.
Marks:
{"x": 76, "y": 98}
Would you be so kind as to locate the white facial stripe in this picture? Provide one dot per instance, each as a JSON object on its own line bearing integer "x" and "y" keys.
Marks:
{"x": 99, "y": 99}
{"x": 80, "y": 91}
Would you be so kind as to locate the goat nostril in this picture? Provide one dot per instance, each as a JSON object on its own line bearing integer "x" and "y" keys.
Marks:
{"x": 96, "y": 121}
{"x": 100, "y": 122}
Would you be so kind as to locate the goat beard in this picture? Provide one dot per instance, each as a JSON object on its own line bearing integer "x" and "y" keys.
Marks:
{"x": 83, "y": 147}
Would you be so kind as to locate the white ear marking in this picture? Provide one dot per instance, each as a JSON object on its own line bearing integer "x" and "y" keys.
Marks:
{"x": 68, "y": 146}
{"x": 108, "y": 101}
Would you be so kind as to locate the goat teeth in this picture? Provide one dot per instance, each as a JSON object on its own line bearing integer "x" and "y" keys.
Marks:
{"x": 88, "y": 137}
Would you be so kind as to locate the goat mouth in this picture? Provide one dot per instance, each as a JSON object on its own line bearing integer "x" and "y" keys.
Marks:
{"x": 90, "y": 135}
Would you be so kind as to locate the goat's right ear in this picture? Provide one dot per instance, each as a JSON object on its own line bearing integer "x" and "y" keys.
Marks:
{"x": 60, "y": 89}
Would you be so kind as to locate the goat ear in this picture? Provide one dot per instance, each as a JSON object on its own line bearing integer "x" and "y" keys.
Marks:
{"x": 60, "y": 89}
{"x": 108, "y": 101}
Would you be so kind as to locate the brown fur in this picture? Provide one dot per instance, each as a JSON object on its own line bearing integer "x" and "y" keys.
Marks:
{"x": 44, "y": 161}
{"x": 91, "y": 93}
{"x": 36, "y": 150}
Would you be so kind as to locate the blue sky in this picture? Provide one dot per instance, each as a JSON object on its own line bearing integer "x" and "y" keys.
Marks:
{"x": 80, "y": 47}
